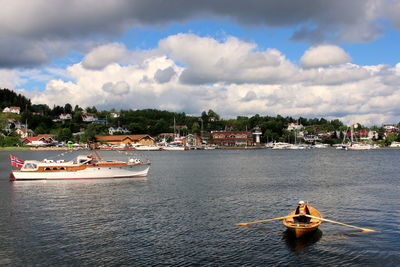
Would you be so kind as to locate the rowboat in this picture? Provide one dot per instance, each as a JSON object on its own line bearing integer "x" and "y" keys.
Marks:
{"x": 301, "y": 229}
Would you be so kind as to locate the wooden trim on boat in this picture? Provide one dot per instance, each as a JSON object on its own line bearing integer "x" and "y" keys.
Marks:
{"x": 301, "y": 229}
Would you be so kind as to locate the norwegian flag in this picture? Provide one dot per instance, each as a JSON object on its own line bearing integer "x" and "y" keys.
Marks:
{"x": 16, "y": 162}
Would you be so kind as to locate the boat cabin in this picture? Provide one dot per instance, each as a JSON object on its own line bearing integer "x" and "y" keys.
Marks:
{"x": 84, "y": 159}
{"x": 30, "y": 165}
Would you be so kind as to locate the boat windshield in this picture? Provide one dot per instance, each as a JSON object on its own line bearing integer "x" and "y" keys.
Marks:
{"x": 30, "y": 166}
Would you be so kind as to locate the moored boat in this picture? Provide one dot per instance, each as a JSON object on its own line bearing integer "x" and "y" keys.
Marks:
{"x": 83, "y": 167}
{"x": 301, "y": 229}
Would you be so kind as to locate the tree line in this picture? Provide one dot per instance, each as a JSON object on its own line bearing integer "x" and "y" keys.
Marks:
{"x": 43, "y": 120}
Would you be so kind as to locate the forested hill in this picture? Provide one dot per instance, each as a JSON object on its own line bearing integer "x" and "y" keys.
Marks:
{"x": 44, "y": 119}
{"x": 10, "y": 98}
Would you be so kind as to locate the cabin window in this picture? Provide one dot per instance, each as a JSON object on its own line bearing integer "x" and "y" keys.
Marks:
{"x": 47, "y": 169}
{"x": 31, "y": 166}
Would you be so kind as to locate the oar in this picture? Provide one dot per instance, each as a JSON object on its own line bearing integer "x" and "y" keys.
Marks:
{"x": 322, "y": 219}
{"x": 279, "y": 218}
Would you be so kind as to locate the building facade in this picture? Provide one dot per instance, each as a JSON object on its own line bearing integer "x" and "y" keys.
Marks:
{"x": 126, "y": 140}
{"x": 231, "y": 138}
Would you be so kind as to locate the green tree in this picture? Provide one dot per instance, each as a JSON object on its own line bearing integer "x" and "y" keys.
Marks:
{"x": 64, "y": 134}
{"x": 92, "y": 130}
{"x": 136, "y": 128}
{"x": 10, "y": 141}
{"x": 68, "y": 108}
{"x": 390, "y": 138}
{"x": 91, "y": 110}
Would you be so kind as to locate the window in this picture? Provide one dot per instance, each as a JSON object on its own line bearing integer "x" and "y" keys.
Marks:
{"x": 31, "y": 166}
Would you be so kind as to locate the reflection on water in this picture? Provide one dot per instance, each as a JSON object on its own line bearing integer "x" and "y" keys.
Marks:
{"x": 299, "y": 244}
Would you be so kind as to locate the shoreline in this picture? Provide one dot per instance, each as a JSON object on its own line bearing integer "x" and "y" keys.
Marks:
{"x": 11, "y": 148}
{"x": 76, "y": 149}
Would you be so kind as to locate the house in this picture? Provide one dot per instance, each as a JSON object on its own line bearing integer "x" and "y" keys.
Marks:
{"x": 114, "y": 115}
{"x": 24, "y": 132}
{"x": 373, "y": 135}
{"x": 113, "y": 130}
{"x": 389, "y": 128}
{"x": 11, "y": 125}
{"x": 362, "y": 134}
{"x": 65, "y": 116}
{"x": 89, "y": 118}
{"x": 12, "y": 109}
{"x": 40, "y": 140}
{"x": 294, "y": 126}
{"x": 231, "y": 138}
{"x": 192, "y": 140}
{"x": 126, "y": 140}
{"x": 166, "y": 137}
{"x": 311, "y": 138}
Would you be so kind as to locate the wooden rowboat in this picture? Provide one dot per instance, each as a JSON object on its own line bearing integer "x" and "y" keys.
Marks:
{"x": 300, "y": 229}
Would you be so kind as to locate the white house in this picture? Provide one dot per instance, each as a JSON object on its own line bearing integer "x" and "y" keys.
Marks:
{"x": 89, "y": 118}
{"x": 294, "y": 126}
{"x": 15, "y": 110}
{"x": 65, "y": 116}
{"x": 24, "y": 132}
{"x": 113, "y": 130}
{"x": 114, "y": 115}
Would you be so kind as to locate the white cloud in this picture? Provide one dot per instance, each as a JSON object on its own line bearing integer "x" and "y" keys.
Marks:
{"x": 267, "y": 84}
{"x": 104, "y": 55}
{"x": 324, "y": 55}
{"x": 10, "y": 79}
{"x": 233, "y": 61}
{"x": 165, "y": 75}
{"x": 118, "y": 88}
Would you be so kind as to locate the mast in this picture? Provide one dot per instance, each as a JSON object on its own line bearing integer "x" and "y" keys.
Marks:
{"x": 174, "y": 128}
{"x": 351, "y": 131}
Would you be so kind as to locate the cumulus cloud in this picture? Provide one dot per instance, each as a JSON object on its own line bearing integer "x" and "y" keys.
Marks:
{"x": 103, "y": 55}
{"x": 232, "y": 60}
{"x": 350, "y": 92}
{"x": 10, "y": 79}
{"x": 164, "y": 76}
{"x": 324, "y": 55}
{"x": 250, "y": 95}
{"x": 118, "y": 88}
{"x": 47, "y": 36}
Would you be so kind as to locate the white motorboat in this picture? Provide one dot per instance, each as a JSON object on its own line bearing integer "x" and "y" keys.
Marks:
{"x": 83, "y": 167}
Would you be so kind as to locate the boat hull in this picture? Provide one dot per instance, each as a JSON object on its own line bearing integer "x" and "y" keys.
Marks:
{"x": 301, "y": 229}
{"x": 90, "y": 172}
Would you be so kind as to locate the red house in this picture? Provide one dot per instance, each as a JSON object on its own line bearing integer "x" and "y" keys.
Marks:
{"x": 232, "y": 138}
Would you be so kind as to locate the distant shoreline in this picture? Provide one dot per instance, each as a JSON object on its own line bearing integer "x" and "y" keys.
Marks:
{"x": 26, "y": 148}
{"x": 14, "y": 148}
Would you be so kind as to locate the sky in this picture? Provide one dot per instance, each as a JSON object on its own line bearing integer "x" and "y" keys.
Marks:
{"x": 304, "y": 58}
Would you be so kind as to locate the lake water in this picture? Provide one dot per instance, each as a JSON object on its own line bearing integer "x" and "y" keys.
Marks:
{"x": 185, "y": 212}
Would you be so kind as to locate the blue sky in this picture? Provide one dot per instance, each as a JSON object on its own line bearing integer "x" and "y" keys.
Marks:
{"x": 309, "y": 58}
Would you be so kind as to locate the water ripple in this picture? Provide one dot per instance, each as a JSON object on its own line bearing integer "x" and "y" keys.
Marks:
{"x": 185, "y": 213}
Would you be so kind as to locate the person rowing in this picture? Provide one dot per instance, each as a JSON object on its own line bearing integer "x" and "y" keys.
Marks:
{"x": 302, "y": 210}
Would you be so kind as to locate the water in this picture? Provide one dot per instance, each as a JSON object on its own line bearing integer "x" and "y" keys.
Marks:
{"x": 185, "y": 212}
